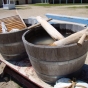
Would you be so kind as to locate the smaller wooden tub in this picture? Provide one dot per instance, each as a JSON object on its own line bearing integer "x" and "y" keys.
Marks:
{"x": 53, "y": 62}
{"x": 11, "y": 44}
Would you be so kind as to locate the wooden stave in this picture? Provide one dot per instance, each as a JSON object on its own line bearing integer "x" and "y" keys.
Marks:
{"x": 54, "y": 54}
{"x": 11, "y": 45}
{"x": 13, "y": 48}
{"x": 58, "y": 68}
{"x": 30, "y": 47}
{"x": 15, "y": 57}
{"x": 52, "y": 78}
{"x": 11, "y": 37}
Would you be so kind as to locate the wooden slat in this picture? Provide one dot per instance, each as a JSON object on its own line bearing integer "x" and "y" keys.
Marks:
{"x": 10, "y": 19}
{"x": 10, "y": 28}
{"x": 14, "y": 23}
{"x": 6, "y": 21}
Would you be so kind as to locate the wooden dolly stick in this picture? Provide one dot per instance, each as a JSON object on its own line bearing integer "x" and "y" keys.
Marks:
{"x": 73, "y": 38}
{"x": 50, "y": 29}
{"x": 81, "y": 40}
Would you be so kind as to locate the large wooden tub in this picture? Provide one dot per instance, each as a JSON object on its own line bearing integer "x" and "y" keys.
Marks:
{"x": 53, "y": 62}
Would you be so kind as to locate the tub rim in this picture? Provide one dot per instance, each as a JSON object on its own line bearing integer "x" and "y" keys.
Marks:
{"x": 44, "y": 46}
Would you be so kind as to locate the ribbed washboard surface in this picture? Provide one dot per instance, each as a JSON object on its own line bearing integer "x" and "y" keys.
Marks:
{"x": 13, "y": 22}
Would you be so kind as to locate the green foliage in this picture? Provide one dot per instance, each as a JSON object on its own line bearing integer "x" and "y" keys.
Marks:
{"x": 86, "y": 6}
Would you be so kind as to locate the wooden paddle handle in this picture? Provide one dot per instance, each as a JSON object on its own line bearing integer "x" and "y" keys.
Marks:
{"x": 81, "y": 40}
{"x": 38, "y": 24}
{"x": 73, "y": 38}
{"x": 56, "y": 35}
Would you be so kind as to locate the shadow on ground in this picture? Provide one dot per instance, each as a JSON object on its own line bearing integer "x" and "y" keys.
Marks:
{"x": 84, "y": 73}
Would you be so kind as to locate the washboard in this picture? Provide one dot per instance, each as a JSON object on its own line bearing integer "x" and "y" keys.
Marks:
{"x": 13, "y": 22}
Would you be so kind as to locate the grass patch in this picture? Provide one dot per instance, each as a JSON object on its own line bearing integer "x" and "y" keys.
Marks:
{"x": 86, "y": 7}
{"x": 75, "y": 7}
{"x": 47, "y": 4}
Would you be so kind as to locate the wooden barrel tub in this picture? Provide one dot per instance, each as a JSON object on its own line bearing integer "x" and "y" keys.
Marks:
{"x": 53, "y": 62}
{"x": 11, "y": 45}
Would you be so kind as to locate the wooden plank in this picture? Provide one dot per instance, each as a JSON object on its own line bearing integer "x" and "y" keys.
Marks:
{"x": 10, "y": 19}
{"x": 25, "y": 69}
{"x": 20, "y": 78}
{"x": 13, "y": 21}
{"x": 15, "y": 24}
{"x": 74, "y": 19}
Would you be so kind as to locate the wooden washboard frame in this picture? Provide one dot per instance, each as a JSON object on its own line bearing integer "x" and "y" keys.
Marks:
{"x": 13, "y": 22}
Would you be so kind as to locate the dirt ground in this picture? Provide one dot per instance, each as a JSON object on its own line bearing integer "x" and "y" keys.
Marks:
{"x": 26, "y": 11}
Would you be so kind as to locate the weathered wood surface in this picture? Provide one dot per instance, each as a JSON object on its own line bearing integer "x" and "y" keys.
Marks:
{"x": 73, "y": 38}
{"x": 81, "y": 40}
{"x": 37, "y": 25}
{"x": 13, "y": 22}
{"x": 73, "y": 19}
{"x": 52, "y": 62}
{"x": 49, "y": 71}
{"x": 53, "y": 53}
{"x": 11, "y": 45}
{"x": 24, "y": 68}
{"x": 50, "y": 29}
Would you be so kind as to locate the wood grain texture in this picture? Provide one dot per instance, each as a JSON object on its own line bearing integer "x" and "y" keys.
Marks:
{"x": 73, "y": 38}
{"x": 58, "y": 69}
{"x": 11, "y": 45}
{"x": 52, "y": 62}
{"x": 50, "y": 29}
{"x": 53, "y": 53}
{"x": 81, "y": 40}
{"x": 13, "y": 22}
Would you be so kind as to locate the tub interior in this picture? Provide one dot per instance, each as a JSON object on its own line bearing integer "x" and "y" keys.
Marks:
{"x": 39, "y": 36}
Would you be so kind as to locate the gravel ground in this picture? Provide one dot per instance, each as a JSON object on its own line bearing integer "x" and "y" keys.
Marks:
{"x": 26, "y": 11}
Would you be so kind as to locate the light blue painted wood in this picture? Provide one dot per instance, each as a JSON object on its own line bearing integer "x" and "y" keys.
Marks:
{"x": 74, "y": 19}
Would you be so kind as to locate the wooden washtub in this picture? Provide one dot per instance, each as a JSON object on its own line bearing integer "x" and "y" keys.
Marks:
{"x": 53, "y": 62}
